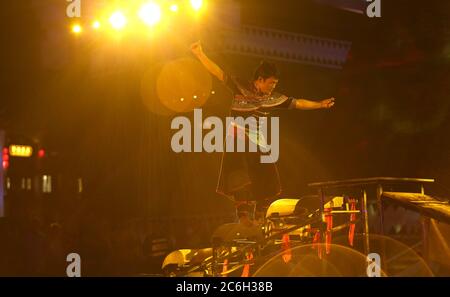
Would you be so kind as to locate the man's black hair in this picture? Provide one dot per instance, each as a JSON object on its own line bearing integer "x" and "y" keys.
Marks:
{"x": 266, "y": 70}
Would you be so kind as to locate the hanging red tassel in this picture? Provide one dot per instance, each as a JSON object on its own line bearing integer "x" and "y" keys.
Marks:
{"x": 287, "y": 254}
{"x": 246, "y": 270}
{"x": 316, "y": 244}
{"x": 351, "y": 231}
{"x": 329, "y": 221}
{"x": 225, "y": 266}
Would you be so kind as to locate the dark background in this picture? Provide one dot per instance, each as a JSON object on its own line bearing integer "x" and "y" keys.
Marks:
{"x": 391, "y": 116}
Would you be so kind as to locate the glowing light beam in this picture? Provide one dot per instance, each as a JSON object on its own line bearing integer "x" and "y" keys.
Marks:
{"x": 196, "y": 4}
{"x": 76, "y": 29}
{"x": 150, "y": 13}
{"x": 118, "y": 20}
{"x": 96, "y": 25}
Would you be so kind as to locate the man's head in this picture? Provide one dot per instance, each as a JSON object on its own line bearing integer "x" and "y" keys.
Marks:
{"x": 266, "y": 77}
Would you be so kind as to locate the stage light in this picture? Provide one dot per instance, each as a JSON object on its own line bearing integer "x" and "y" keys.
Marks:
{"x": 96, "y": 25}
{"x": 118, "y": 20}
{"x": 174, "y": 7}
{"x": 150, "y": 13}
{"x": 76, "y": 29}
{"x": 196, "y": 4}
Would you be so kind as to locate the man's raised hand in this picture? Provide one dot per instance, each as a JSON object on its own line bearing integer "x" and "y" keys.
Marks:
{"x": 196, "y": 48}
{"x": 327, "y": 103}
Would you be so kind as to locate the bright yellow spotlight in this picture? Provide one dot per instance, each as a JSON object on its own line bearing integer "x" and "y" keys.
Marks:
{"x": 150, "y": 13}
{"x": 118, "y": 20}
{"x": 174, "y": 7}
{"x": 76, "y": 29}
{"x": 196, "y": 4}
{"x": 96, "y": 25}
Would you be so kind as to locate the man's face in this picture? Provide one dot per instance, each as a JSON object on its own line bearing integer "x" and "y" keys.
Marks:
{"x": 266, "y": 86}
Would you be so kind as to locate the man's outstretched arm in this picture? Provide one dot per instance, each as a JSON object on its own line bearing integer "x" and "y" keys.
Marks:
{"x": 309, "y": 105}
{"x": 212, "y": 67}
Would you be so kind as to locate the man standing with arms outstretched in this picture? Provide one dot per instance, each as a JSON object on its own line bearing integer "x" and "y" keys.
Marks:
{"x": 252, "y": 185}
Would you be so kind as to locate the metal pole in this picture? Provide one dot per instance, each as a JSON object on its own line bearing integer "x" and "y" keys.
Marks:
{"x": 322, "y": 200}
{"x": 380, "y": 207}
{"x": 381, "y": 214}
{"x": 366, "y": 223}
{"x": 322, "y": 210}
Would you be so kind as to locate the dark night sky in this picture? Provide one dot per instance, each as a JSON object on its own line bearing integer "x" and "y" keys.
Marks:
{"x": 391, "y": 118}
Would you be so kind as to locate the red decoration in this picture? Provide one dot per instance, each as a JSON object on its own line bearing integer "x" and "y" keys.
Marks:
{"x": 351, "y": 231}
{"x": 287, "y": 253}
{"x": 246, "y": 270}
{"x": 41, "y": 153}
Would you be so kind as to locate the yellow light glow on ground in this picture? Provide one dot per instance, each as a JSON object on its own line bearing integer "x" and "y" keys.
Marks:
{"x": 174, "y": 7}
{"x": 76, "y": 29}
{"x": 196, "y": 4}
{"x": 118, "y": 20}
{"x": 150, "y": 13}
{"x": 96, "y": 25}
